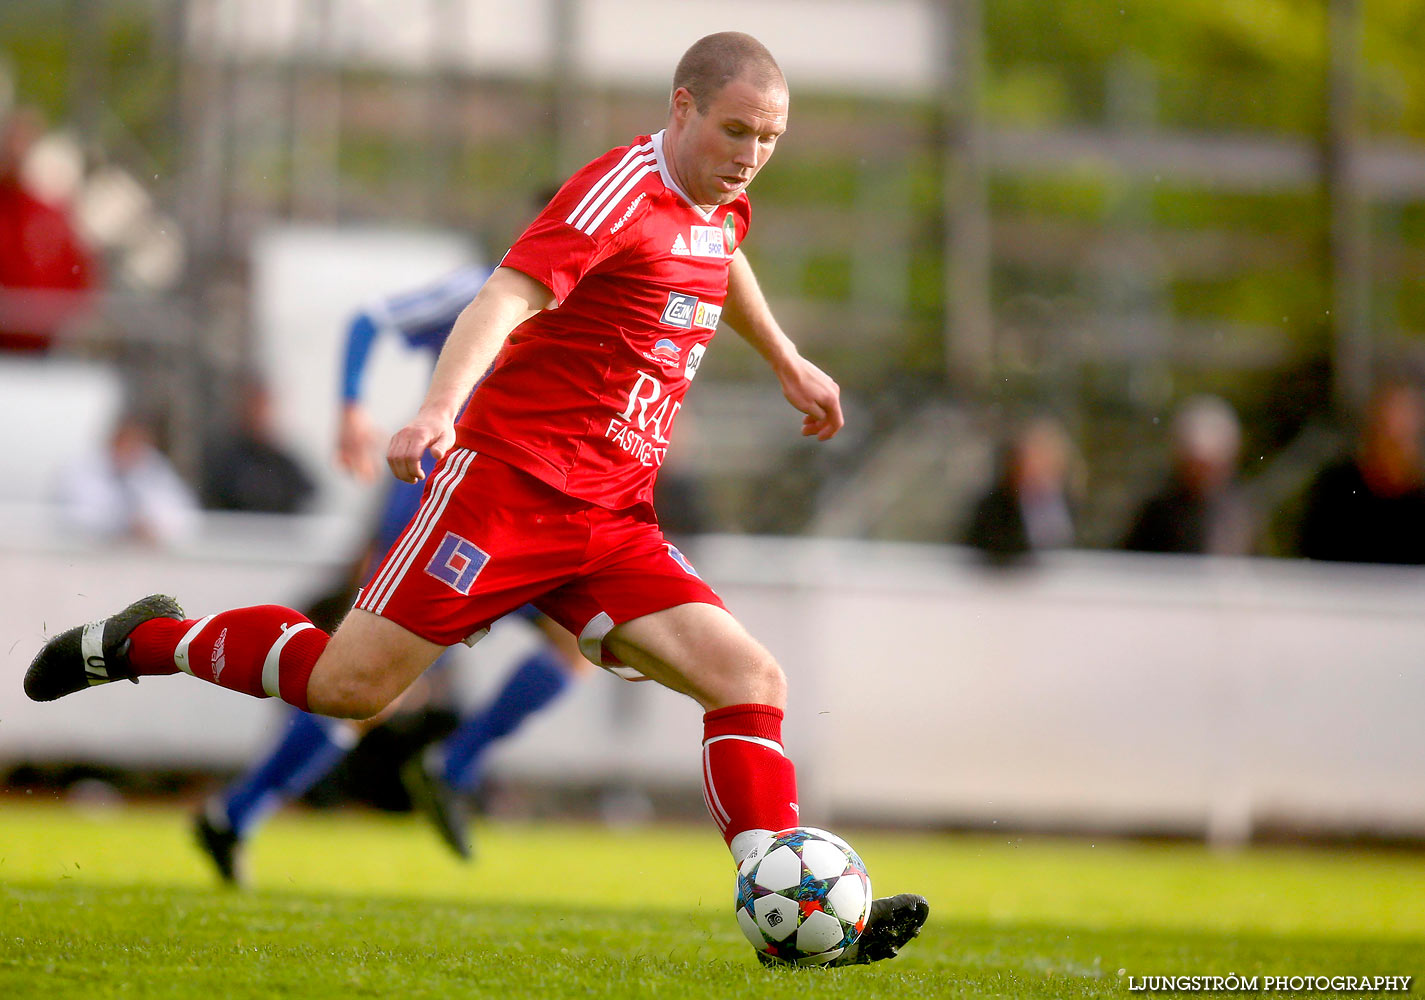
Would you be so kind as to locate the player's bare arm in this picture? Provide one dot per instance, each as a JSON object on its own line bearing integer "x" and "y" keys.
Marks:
{"x": 806, "y": 386}
{"x": 505, "y": 301}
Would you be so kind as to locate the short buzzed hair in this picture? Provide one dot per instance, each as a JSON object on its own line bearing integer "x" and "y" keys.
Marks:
{"x": 716, "y": 60}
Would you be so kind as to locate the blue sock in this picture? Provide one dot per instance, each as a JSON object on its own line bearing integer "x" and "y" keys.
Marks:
{"x": 308, "y": 751}
{"x": 535, "y": 683}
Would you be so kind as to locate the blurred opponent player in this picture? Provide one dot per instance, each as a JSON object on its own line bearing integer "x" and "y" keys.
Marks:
{"x": 312, "y": 745}
{"x": 543, "y": 491}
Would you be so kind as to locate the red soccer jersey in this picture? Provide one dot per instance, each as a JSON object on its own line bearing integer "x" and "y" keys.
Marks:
{"x": 584, "y": 396}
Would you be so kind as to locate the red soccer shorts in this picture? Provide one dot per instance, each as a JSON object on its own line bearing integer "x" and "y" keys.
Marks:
{"x": 489, "y": 537}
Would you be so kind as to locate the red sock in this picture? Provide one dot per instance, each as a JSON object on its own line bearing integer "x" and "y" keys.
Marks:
{"x": 749, "y": 783}
{"x": 265, "y": 651}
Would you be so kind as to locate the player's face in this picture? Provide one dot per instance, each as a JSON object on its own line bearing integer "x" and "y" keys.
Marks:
{"x": 716, "y": 154}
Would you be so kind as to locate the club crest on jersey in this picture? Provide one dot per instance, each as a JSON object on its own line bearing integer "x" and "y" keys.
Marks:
{"x": 680, "y": 310}
{"x": 729, "y": 233}
{"x": 666, "y": 353}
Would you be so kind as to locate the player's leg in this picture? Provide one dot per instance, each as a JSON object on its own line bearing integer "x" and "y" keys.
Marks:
{"x": 641, "y": 610}
{"x": 262, "y": 651}
{"x": 536, "y": 681}
{"x": 273, "y": 651}
{"x": 442, "y": 780}
{"x": 310, "y": 747}
{"x": 699, "y": 649}
{"x": 648, "y": 612}
{"x": 748, "y": 780}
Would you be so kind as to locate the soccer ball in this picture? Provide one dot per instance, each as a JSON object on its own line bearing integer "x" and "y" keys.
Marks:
{"x": 803, "y": 896}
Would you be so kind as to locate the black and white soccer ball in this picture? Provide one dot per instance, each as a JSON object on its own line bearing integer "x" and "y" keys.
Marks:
{"x": 803, "y": 896}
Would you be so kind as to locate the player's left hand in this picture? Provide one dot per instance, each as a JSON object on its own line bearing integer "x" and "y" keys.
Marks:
{"x": 817, "y": 395}
{"x": 410, "y": 443}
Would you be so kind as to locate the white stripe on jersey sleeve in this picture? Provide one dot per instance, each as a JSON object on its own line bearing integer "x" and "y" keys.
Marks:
{"x": 613, "y": 202}
{"x": 632, "y": 160}
{"x": 633, "y": 152}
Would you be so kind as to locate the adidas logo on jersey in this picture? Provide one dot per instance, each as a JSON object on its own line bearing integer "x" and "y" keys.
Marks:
{"x": 680, "y": 246}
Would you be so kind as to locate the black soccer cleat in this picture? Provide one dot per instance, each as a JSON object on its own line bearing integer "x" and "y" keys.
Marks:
{"x": 446, "y": 807}
{"x": 91, "y": 654}
{"x": 893, "y": 921}
{"x": 223, "y": 847}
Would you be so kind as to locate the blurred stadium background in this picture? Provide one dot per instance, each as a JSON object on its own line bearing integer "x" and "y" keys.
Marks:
{"x": 982, "y": 211}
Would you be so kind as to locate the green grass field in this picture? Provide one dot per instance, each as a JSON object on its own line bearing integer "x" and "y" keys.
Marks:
{"x": 117, "y": 903}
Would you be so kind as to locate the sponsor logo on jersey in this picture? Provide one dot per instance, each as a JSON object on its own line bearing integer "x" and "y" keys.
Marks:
{"x": 707, "y": 315}
{"x": 687, "y": 311}
{"x": 665, "y": 352}
{"x": 641, "y": 429}
{"x": 628, "y": 212}
{"x": 729, "y": 233}
{"x": 680, "y": 310}
{"x": 708, "y": 242}
{"x": 680, "y": 246}
{"x": 695, "y": 358}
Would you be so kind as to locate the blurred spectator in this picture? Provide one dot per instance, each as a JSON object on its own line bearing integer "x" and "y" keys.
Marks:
{"x": 129, "y": 491}
{"x": 1027, "y": 509}
{"x": 1200, "y": 508}
{"x": 44, "y": 268}
{"x": 250, "y": 470}
{"x": 1370, "y": 506}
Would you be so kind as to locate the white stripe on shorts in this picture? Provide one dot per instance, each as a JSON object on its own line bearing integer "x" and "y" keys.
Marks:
{"x": 377, "y": 593}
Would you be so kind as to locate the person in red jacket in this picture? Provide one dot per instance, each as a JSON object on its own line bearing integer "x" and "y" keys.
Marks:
{"x": 45, "y": 269}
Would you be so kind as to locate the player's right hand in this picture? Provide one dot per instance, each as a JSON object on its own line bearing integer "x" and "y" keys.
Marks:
{"x": 411, "y": 442}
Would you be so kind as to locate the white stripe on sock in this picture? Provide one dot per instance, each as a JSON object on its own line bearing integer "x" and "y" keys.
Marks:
{"x": 715, "y": 806}
{"x": 769, "y": 744}
{"x": 271, "y": 666}
{"x": 180, "y": 654}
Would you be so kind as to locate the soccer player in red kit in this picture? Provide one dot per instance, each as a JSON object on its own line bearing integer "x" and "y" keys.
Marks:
{"x": 595, "y": 322}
